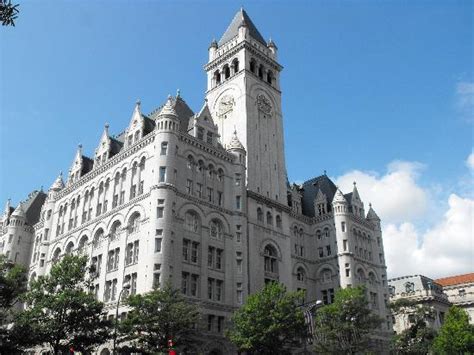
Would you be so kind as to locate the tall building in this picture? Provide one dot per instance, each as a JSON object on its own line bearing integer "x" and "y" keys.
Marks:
{"x": 202, "y": 199}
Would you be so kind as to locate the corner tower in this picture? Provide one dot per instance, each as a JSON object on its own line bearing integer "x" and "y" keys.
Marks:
{"x": 243, "y": 94}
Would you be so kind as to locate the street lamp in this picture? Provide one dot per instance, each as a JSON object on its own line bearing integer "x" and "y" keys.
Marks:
{"x": 125, "y": 286}
{"x": 308, "y": 316}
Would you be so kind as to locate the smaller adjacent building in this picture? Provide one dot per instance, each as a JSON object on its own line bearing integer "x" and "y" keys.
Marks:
{"x": 422, "y": 290}
{"x": 460, "y": 292}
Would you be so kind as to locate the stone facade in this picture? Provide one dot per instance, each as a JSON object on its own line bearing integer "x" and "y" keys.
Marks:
{"x": 423, "y": 291}
{"x": 460, "y": 292}
{"x": 202, "y": 199}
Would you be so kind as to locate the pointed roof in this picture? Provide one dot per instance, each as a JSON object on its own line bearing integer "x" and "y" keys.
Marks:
{"x": 320, "y": 196}
{"x": 7, "y": 207}
{"x": 235, "y": 142}
{"x": 371, "y": 214}
{"x": 241, "y": 19}
{"x": 355, "y": 193}
{"x": 168, "y": 109}
{"x": 58, "y": 184}
{"x": 339, "y": 197}
{"x": 19, "y": 211}
{"x": 310, "y": 190}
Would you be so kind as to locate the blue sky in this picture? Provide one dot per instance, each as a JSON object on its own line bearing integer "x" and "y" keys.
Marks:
{"x": 365, "y": 83}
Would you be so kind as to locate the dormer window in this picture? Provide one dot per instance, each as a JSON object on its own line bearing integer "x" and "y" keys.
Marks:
{"x": 409, "y": 287}
{"x": 200, "y": 133}
{"x": 253, "y": 65}
{"x": 209, "y": 137}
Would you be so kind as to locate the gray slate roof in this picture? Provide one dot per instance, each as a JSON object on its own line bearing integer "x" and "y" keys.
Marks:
{"x": 233, "y": 29}
{"x": 310, "y": 190}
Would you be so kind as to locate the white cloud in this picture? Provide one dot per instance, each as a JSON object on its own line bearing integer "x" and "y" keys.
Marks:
{"x": 396, "y": 196}
{"x": 444, "y": 246}
{"x": 470, "y": 161}
{"x": 445, "y": 249}
{"x": 465, "y": 99}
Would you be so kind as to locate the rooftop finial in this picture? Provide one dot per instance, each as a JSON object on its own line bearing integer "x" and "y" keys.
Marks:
{"x": 325, "y": 172}
{"x": 79, "y": 146}
{"x": 106, "y": 125}
{"x": 138, "y": 102}
{"x": 354, "y": 183}
{"x": 370, "y": 204}
{"x": 178, "y": 93}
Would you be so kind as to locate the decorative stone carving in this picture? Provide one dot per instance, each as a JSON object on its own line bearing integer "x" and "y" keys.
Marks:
{"x": 226, "y": 105}
{"x": 264, "y": 104}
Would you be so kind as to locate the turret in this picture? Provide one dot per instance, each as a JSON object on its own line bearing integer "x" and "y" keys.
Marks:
{"x": 373, "y": 218}
{"x": 167, "y": 119}
{"x": 356, "y": 202}
{"x": 212, "y": 50}
{"x": 273, "y": 48}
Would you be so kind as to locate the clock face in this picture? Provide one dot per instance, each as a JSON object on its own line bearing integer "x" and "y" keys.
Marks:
{"x": 226, "y": 105}
{"x": 264, "y": 104}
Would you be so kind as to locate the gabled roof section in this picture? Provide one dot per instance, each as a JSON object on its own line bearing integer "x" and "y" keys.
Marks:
{"x": 456, "y": 280}
{"x": 241, "y": 18}
{"x": 339, "y": 197}
{"x": 371, "y": 214}
{"x": 310, "y": 189}
{"x": 182, "y": 110}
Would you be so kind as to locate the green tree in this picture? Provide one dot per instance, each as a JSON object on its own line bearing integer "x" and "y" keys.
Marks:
{"x": 157, "y": 316}
{"x": 345, "y": 326}
{"x": 13, "y": 283}
{"x": 61, "y": 313}
{"x": 270, "y": 322}
{"x": 456, "y": 335}
{"x": 8, "y": 12}
{"x": 418, "y": 338}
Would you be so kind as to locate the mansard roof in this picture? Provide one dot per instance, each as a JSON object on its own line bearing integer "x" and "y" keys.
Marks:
{"x": 241, "y": 18}
{"x": 30, "y": 208}
{"x": 310, "y": 190}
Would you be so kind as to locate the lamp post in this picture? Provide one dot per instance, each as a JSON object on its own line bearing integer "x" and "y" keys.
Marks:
{"x": 125, "y": 286}
{"x": 308, "y": 316}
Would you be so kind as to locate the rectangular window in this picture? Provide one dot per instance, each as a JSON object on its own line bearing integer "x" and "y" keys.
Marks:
{"x": 162, "y": 177}
{"x": 194, "y": 285}
{"x": 114, "y": 290}
{"x": 164, "y": 148}
{"x": 133, "y": 191}
{"x": 219, "y": 289}
{"x": 210, "y": 257}
{"x": 189, "y": 186}
{"x": 185, "y": 249}
{"x": 219, "y": 259}
{"x": 219, "y": 198}
{"x": 160, "y": 212}
{"x": 200, "y": 133}
{"x": 210, "y": 194}
{"x": 194, "y": 252}
{"x": 156, "y": 279}
{"x": 348, "y": 272}
{"x": 46, "y": 234}
{"x": 199, "y": 190}
{"x": 343, "y": 226}
{"x": 122, "y": 197}
{"x": 136, "y": 248}
{"x": 238, "y": 203}
{"x": 133, "y": 289}
{"x": 320, "y": 252}
{"x": 238, "y": 179}
{"x": 184, "y": 283}
{"x": 209, "y": 137}
{"x": 158, "y": 245}
{"x": 210, "y": 322}
{"x": 239, "y": 293}
{"x": 328, "y": 250}
{"x": 344, "y": 244}
{"x": 220, "y": 324}
{"x": 210, "y": 288}
{"x": 238, "y": 234}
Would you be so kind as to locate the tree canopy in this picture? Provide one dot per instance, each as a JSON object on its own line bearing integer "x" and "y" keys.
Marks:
{"x": 269, "y": 322}
{"x": 157, "y": 316}
{"x": 8, "y": 12}
{"x": 61, "y": 313}
{"x": 456, "y": 335}
{"x": 345, "y": 325}
{"x": 419, "y": 336}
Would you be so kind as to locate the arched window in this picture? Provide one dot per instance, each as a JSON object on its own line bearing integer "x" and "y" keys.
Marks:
{"x": 192, "y": 221}
{"x": 270, "y": 259}
{"x": 270, "y": 77}
{"x": 253, "y": 65}
{"x": 82, "y": 243}
{"x": 200, "y": 166}
{"x": 211, "y": 171}
{"x": 326, "y": 232}
{"x": 372, "y": 278}
{"x": 190, "y": 162}
{"x": 134, "y": 169}
{"x": 220, "y": 174}
{"x": 235, "y": 65}
{"x": 269, "y": 218}
{"x": 134, "y": 223}
{"x": 326, "y": 275}
{"x": 137, "y": 136}
{"x": 361, "y": 275}
{"x": 69, "y": 248}
{"x": 98, "y": 237}
{"x": 300, "y": 274}
{"x": 216, "y": 229}
{"x": 56, "y": 255}
{"x": 278, "y": 221}
{"x": 115, "y": 230}
{"x": 260, "y": 71}
{"x": 259, "y": 214}
{"x": 409, "y": 287}
{"x": 226, "y": 71}
{"x": 217, "y": 77}
{"x": 318, "y": 234}
{"x": 142, "y": 164}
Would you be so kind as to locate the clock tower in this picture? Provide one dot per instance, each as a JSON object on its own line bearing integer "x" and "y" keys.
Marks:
{"x": 243, "y": 95}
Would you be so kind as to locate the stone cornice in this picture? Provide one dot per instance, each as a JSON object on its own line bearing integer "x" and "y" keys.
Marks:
{"x": 123, "y": 154}
{"x": 268, "y": 201}
{"x": 221, "y": 154}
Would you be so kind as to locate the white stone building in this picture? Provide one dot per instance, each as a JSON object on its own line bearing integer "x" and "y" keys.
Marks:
{"x": 460, "y": 292}
{"x": 202, "y": 199}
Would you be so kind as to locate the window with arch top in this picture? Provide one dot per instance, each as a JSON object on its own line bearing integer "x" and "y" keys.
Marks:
{"x": 134, "y": 223}
{"x": 259, "y": 214}
{"x": 270, "y": 256}
{"x": 192, "y": 221}
{"x": 253, "y": 65}
{"x": 216, "y": 229}
{"x": 300, "y": 274}
{"x": 278, "y": 221}
{"x": 269, "y": 218}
